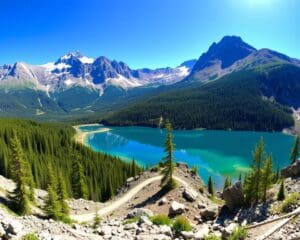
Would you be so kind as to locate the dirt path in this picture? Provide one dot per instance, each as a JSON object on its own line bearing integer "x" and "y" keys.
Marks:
{"x": 113, "y": 205}
{"x": 263, "y": 230}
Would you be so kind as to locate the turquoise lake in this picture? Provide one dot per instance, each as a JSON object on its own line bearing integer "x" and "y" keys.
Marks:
{"x": 216, "y": 153}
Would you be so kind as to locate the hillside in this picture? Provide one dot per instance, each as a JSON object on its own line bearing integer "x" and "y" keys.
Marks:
{"x": 244, "y": 100}
{"x": 52, "y": 145}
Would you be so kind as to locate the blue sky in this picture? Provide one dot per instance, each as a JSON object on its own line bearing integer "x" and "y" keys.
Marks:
{"x": 142, "y": 33}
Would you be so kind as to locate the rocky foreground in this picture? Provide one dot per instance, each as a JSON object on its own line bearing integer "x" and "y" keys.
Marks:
{"x": 133, "y": 220}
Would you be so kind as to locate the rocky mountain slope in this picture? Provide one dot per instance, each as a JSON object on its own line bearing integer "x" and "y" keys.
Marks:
{"x": 135, "y": 218}
{"x": 75, "y": 69}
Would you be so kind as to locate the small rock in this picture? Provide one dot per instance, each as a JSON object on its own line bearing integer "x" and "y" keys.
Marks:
{"x": 166, "y": 230}
{"x": 2, "y": 231}
{"x": 210, "y": 212}
{"x": 138, "y": 212}
{"x": 145, "y": 220}
{"x": 188, "y": 235}
{"x": 190, "y": 194}
{"x": 130, "y": 226}
{"x": 176, "y": 208}
{"x": 229, "y": 229}
{"x": 202, "y": 232}
{"x": 163, "y": 201}
{"x": 15, "y": 227}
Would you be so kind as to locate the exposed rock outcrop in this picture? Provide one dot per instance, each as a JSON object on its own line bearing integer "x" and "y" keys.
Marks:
{"x": 291, "y": 171}
{"x": 234, "y": 196}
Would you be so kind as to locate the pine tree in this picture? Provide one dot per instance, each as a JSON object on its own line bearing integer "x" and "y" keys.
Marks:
{"x": 20, "y": 173}
{"x": 52, "y": 178}
{"x": 267, "y": 177}
{"x": 281, "y": 194}
{"x": 167, "y": 180}
{"x": 258, "y": 157}
{"x": 52, "y": 205}
{"x": 240, "y": 177}
{"x": 211, "y": 186}
{"x": 249, "y": 188}
{"x": 62, "y": 194}
{"x": 227, "y": 183}
{"x": 295, "y": 150}
{"x": 133, "y": 168}
{"x": 79, "y": 187}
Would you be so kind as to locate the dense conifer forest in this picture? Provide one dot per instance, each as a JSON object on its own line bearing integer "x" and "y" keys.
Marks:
{"x": 45, "y": 146}
{"x": 236, "y": 101}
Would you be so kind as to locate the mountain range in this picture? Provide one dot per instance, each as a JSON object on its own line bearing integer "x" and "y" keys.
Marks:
{"x": 76, "y": 85}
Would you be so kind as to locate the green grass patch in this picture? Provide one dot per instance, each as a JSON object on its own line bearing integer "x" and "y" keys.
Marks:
{"x": 30, "y": 236}
{"x": 212, "y": 237}
{"x": 132, "y": 220}
{"x": 8, "y": 209}
{"x": 181, "y": 224}
{"x": 217, "y": 200}
{"x": 161, "y": 220}
{"x": 289, "y": 203}
{"x": 239, "y": 233}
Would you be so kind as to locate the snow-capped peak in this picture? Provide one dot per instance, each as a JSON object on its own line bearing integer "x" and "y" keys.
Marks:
{"x": 86, "y": 60}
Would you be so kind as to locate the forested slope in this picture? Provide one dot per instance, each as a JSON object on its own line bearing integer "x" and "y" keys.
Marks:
{"x": 53, "y": 144}
{"x": 236, "y": 101}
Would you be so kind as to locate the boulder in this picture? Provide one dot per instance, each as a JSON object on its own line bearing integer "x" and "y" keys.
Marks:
{"x": 202, "y": 232}
{"x": 209, "y": 213}
{"x": 176, "y": 208}
{"x": 189, "y": 194}
{"x": 138, "y": 212}
{"x": 234, "y": 196}
{"x": 291, "y": 171}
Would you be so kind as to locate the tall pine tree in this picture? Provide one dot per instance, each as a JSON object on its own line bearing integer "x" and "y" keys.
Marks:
{"x": 167, "y": 180}
{"x": 211, "y": 186}
{"x": 258, "y": 158}
{"x": 267, "y": 177}
{"x": 21, "y": 174}
{"x": 295, "y": 150}
{"x": 62, "y": 194}
{"x": 79, "y": 186}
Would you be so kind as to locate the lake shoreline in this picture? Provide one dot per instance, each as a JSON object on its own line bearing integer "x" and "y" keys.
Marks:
{"x": 81, "y": 136}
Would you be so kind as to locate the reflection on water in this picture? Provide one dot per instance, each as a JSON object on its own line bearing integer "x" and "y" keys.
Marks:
{"x": 216, "y": 153}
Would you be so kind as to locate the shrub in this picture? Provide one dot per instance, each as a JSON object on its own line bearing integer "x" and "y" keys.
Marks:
{"x": 289, "y": 203}
{"x": 239, "y": 233}
{"x": 181, "y": 224}
{"x": 132, "y": 220}
{"x": 30, "y": 236}
{"x": 201, "y": 189}
{"x": 194, "y": 170}
{"x": 161, "y": 220}
{"x": 212, "y": 237}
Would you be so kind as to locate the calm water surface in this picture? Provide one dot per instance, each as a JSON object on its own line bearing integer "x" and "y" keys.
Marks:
{"x": 216, "y": 153}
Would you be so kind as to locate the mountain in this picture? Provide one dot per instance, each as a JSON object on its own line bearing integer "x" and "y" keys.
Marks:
{"x": 230, "y": 73}
{"x": 243, "y": 100}
{"x": 231, "y": 86}
{"x": 75, "y": 69}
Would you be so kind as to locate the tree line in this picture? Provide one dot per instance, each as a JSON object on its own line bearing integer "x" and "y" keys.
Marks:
{"x": 44, "y": 155}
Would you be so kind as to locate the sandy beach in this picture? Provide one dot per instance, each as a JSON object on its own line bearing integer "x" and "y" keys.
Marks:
{"x": 81, "y": 136}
